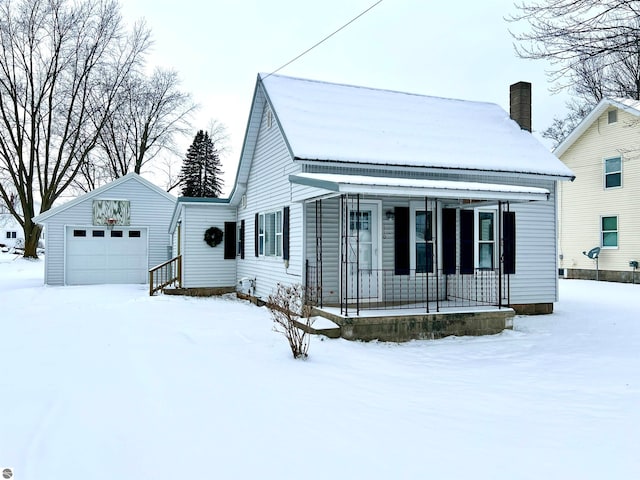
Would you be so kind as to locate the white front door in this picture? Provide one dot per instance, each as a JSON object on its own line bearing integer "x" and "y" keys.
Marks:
{"x": 363, "y": 253}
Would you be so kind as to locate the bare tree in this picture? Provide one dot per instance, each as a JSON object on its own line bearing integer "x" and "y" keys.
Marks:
{"x": 61, "y": 66}
{"x": 149, "y": 114}
{"x": 593, "y": 49}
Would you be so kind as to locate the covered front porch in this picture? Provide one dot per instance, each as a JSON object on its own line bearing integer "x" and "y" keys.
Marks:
{"x": 395, "y": 258}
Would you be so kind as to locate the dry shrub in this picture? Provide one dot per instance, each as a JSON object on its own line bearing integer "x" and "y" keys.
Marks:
{"x": 288, "y": 312}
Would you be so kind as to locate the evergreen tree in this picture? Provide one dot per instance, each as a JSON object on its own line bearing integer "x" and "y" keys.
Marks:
{"x": 201, "y": 173}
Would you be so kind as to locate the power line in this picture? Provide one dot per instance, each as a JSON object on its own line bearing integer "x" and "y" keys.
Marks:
{"x": 325, "y": 38}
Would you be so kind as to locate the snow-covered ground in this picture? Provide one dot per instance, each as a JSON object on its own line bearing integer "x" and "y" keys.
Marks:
{"x": 105, "y": 382}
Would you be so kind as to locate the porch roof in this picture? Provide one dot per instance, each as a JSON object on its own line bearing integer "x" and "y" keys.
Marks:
{"x": 327, "y": 185}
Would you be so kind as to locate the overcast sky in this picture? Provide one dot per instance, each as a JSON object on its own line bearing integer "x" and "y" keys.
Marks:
{"x": 456, "y": 49}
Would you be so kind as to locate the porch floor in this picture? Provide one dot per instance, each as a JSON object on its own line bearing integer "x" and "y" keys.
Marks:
{"x": 402, "y": 324}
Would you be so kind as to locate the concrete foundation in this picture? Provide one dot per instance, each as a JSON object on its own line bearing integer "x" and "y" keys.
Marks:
{"x": 199, "y": 292}
{"x": 621, "y": 276}
{"x": 401, "y": 328}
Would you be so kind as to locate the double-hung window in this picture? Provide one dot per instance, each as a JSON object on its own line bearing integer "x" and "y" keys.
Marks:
{"x": 486, "y": 240}
{"x": 270, "y": 234}
{"x": 609, "y": 232}
{"x": 423, "y": 242}
{"x": 613, "y": 172}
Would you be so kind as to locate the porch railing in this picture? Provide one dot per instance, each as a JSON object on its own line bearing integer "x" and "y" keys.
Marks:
{"x": 165, "y": 274}
{"x": 385, "y": 289}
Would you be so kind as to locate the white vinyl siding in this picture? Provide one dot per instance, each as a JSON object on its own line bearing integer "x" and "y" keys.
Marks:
{"x": 268, "y": 190}
{"x": 584, "y": 201}
{"x": 149, "y": 209}
{"x": 204, "y": 266}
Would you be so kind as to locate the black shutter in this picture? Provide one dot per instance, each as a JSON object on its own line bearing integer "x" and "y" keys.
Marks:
{"x": 509, "y": 238}
{"x": 466, "y": 241}
{"x": 229, "y": 240}
{"x": 285, "y": 233}
{"x": 402, "y": 240}
{"x": 448, "y": 241}
{"x": 255, "y": 233}
{"x": 242, "y": 239}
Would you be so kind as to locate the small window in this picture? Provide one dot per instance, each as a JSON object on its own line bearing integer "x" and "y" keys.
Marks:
{"x": 269, "y": 118}
{"x": 134, "y": 233}
{"x": 12, "y": 234}
{"x": 486, "y": 240}
{"x": 613, "y": 172}
{"x": 98, "y": 233}
{"x": 609, "y": 232}
{"x": 79, "y": 233}
{"x": 116, "y": 233}
{"x": 612, "y": 116}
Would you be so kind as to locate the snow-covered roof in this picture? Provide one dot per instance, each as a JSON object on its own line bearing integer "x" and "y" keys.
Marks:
{"x": 418, "y": 187}
{"x": 342, "y": 123}
{"x": 627, "y": 104}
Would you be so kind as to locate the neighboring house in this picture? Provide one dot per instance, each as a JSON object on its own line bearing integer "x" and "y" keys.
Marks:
{"x": 374, "y": 199}
{"x": 11, "y": 232}
{"x": 113, "y": 234}
{"x": 601, "y": 209}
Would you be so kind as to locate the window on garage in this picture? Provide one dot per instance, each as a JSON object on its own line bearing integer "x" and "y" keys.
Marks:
{"x": 116, "y": 233}
{"x": 98, "y": 233}
{"x": 79, "y": 233}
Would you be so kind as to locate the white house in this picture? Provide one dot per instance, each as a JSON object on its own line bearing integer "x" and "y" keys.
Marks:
{"x": 113, "y": 234}
{"x": 374, "y": 199}
{"x": 11, "y": 232}
{"x": 600, "y": 209}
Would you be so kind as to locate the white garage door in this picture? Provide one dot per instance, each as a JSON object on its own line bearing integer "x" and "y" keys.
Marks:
{"x": 97, "y": 255}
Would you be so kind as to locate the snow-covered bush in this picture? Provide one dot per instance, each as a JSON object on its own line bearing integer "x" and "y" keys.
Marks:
{"x": 287, "y": 309}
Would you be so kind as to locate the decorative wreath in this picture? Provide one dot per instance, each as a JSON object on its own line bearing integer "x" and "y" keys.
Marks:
{"x": 213, "y": 236}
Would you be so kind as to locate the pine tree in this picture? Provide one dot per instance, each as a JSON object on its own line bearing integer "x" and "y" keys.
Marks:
{"x": 201, "y": 173}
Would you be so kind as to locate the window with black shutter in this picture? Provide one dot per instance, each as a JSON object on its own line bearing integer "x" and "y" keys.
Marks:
{"x": 466, "y": 241}
{"x": 285, "y": 233}
{"x": 509, "y": 239}
{"x": 449, "y": 241}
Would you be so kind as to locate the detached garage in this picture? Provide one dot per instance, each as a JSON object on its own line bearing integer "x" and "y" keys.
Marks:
{"x": 113, "y": 234}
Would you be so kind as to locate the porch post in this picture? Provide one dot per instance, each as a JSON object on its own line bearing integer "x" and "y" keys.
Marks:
{"x": 318, "y": 273}
{"x": 435, "y": 254}
{"x": 344, "y": 301}
{"x": 426, "y": 218}
{"x": 358, "y": 220}
{"x": 500, "y": 256}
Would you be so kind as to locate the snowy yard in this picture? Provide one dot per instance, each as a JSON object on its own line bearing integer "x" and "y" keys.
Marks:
{"x": 105, "y": 382}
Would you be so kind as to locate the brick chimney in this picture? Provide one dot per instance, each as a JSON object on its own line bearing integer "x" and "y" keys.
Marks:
{"x": 520, "y": 104}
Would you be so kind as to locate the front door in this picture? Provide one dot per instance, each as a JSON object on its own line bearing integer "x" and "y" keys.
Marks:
{"x": 362, "y": 244}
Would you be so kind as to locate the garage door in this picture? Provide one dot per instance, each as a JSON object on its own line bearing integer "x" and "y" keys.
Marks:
{"x": 97, "y": 255}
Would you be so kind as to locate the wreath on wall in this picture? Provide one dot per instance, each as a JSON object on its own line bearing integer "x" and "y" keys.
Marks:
{"x": 213, "y": 236}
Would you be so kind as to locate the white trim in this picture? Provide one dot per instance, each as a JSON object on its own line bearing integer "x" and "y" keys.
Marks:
{"x": 386, "y": 186}
{"x": 415, "y": 206}
{"x": 376, "y": 206}
{"x": 476, "y": 236}
{"x": 617, "y": 230}
{"x": 604, "y": 172}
